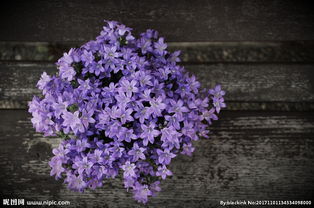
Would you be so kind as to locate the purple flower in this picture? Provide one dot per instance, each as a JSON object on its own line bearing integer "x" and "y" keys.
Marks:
{"x": 155, "y": 187}
{"x": 163, "y": 72}
{"x": 83, "y": 165}
{"x": 164, "y": 157}
{"x": 193, "y": 84}
{"x": 116, "y": 150}
{"x": 76, "y": 182}
{"x": 81, "y": 145}
{"x": 87, "y": 118}
{"x": 123, "y": 99}
{"x": 127, "y": 135}
{"x": 218, "y": 103}
{"x": 156, "y": 106}
{"x": 209, "y": 115}
{"x": 125, "y": 115}
{"x": 87, "y": 57}
{"x": 73, "y": 121}
{"x": 110, "y": 53}
{"x": 56, "y": 167}
{"x": 97, "y": 67}
{"x": 129, "y": 169}
{"x": 142, "y": 114}
{"x": 129, "y": 87}
{"x": 174, "y": 57}
{"x": 141, "y": 193}
{"x": 173, "y": 121}
{"x": 178, "y": 108}
{"x": 160, "y": 46}
{"x": 96, "y": 157}
{"x": 42, "y": 122}
{"x": 84, "y": 85}
{"x": 122, "y": 29}
{"x": 144, "y": 79}
{"x": 189, "y": 130}
{"x": 44, "y": 80}
{"x": 108, "y": 157}
{"x": 163, "y": 172}
{"x": 103, "y": 117}
{"x": 60, "y": 152}
{"x": 67, "y": 72}
{"x": 120, "y": 102}
{"x": 149, "y": 132}
{"x": 188, "y": 149}
{"x": 170, "y": 137}
{"x": 113, "y": 129}
{"x": 137, "y": 153}
{"x": 217, "y": 92}
{"x": 128, "y": 182}
{"x": 145, "y": 45}
{"x": 60, "y": 107}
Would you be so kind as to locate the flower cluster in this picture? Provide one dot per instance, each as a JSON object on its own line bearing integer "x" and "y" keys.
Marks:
{"x": 122, "y": 105}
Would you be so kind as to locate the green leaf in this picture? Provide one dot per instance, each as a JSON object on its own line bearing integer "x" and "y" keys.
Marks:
{"x": 72, "y": 108}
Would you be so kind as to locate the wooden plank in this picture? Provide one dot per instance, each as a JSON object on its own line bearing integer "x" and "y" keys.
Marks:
{"x": 191, "y": 52}
{"x": 259, "y": 82}
{"x": 248, "y": 86}
{"x": 231, "y": 106}
{"x": 18, "y": 82}
{"x": 250, "y": 156}
{"x": 199, "y": 20}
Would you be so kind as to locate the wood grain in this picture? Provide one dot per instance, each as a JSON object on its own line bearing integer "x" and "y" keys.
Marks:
{"x": 250, "y": 156}
{"x": 198, "y": 20}
{"x": 191, "y": 52}
{"x": 291, "y": 83}
{"x": 262, "y": 52}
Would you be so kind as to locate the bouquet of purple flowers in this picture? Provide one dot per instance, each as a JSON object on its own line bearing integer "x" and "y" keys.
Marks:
{"x": 122, "y": 105}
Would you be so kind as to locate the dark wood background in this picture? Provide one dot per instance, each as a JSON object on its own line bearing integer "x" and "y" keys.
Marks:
{"x": 262, "y": 52}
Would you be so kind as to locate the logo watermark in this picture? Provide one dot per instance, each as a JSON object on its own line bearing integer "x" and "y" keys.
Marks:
{"x": 263, "y": 202}
{"x": 23, "y": 202}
